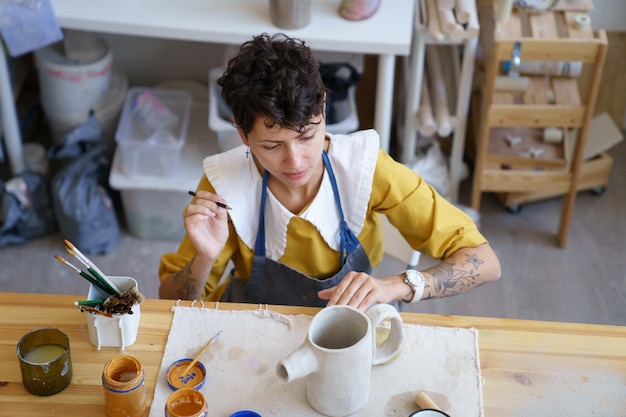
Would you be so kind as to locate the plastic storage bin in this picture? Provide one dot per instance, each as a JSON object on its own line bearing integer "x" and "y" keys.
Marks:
{"x": 227, "y": 136}
{"x": 153, "y": 206}
{"x": 152, "y": 131}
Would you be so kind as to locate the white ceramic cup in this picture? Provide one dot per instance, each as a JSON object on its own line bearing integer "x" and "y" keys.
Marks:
{"x": 337, "y": 356}
{"x": 429, "y": 413}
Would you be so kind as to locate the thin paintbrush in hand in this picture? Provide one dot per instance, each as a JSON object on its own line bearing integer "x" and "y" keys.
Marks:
{"x": 222, "y": 205}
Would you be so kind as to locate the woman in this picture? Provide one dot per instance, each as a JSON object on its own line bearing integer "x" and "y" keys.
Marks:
{"x": 304, "y": 226}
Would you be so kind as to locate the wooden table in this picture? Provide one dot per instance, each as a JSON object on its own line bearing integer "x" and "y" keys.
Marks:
{"x": 523, "y": 362}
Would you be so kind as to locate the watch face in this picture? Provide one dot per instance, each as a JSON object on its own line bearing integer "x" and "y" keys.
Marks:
{"x": 414, "y": 278}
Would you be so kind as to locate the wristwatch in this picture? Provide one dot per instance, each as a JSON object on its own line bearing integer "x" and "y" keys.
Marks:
{"x": 415, "y": 280}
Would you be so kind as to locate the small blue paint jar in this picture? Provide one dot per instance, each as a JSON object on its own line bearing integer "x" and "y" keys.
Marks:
{"x": 245, "y": 413}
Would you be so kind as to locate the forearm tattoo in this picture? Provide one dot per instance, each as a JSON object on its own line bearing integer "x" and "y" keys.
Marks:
{"x": 185, "y": 281}
{"x": 452, "y": 277}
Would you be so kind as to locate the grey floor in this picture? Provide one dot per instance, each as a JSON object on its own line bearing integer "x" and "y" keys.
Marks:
{"x": 586, "y": 282}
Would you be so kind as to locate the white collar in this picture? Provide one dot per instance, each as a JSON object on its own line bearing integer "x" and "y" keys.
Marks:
{"x": 237, "y": 180}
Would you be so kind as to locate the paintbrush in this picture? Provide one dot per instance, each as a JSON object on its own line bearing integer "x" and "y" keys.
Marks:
{"x": 204, "y": 349}
{"x": 91, "y": 267}
{"x": 89, "y": 303}
{"x": 85, "y": 275}
{"x": 95, "y": 276}
{"x": 94, "y": 310}
{"x": 222, "y": 205}
{"x": 123, "y": 304}
{"x": 79, "y": 253}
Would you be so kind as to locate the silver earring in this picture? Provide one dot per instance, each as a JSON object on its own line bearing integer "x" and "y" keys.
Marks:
{"x": 247, "y": 153}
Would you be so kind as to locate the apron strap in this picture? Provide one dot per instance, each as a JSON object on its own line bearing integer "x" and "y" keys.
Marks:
{"x": 348, "y": 242}
{"x": 259, "y": 244}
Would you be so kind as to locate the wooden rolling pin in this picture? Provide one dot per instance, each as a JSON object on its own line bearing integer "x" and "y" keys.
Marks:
{"x": 423, "y": 401}
{"x": 472, "y": 28}
{"x": 437, "y": 89}
{"x": 426, "y": 122}
{"x": 434, "y": 29}
{"x": 445, "y": 4}
{"x": 447, "y": 21}
{"x": 505, "y": 83}
{"x": 449, "y": 25}
{"x": 462, "y": 10}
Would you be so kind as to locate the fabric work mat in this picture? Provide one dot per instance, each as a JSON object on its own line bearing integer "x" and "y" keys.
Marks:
{"x": 241, "y": 366}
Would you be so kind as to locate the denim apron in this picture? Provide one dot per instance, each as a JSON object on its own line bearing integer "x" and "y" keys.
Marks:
{"x": 271, "y": 282}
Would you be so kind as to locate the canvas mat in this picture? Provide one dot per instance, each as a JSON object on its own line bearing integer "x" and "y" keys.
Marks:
{"x": 441, "y": 361}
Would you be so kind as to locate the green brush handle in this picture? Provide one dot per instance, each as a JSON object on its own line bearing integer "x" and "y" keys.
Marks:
{"x": 96, "y": 283}
{"x": 90, "y": 303}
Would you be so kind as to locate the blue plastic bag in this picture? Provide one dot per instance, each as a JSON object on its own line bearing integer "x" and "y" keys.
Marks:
{"x": 83, "y": 207}
{"x": 25, "y": 209}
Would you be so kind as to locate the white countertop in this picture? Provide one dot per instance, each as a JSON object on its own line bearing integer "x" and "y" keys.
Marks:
{"x": 388, "y": 31}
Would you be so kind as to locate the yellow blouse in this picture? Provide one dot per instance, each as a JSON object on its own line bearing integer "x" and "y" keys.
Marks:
{"x": 428, "y": 222}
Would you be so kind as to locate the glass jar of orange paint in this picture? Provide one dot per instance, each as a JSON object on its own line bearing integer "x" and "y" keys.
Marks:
{"x": 186, "y": 402}
{"x": 124, "y": 388}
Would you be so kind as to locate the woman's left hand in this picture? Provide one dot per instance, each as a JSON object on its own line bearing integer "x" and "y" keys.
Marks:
{"x": 360, "y": 290}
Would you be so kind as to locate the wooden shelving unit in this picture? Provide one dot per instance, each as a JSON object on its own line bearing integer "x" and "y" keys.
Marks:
{"x": 458, "y": 49}
{"x": 531, "y": 167}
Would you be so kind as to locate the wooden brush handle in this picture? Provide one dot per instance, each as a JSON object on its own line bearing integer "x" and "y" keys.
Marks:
{"x": 204, "y": 349}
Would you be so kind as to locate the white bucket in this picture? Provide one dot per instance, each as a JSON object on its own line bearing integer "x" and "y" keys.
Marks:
{"x": 107, "y": 110}
{"x": 73, "y": 75}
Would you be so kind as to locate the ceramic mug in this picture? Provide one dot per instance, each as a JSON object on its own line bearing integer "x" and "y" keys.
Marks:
{"x": 428, "y": 412}
{"x": 337, "y": 356}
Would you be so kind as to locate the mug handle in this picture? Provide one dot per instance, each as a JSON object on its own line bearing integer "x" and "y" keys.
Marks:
{"x": 391, "y": 347}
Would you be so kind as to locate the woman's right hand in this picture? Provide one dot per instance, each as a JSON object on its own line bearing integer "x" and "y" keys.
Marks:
{"x": 206, "y": 224}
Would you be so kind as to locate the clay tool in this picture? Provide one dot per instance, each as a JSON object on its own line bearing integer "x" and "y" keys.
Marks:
{"x": 423, "y": 401}
{"x": 204, "y": 349}
{"x": 427, "y": 407}
{"x": 222, "y": 205}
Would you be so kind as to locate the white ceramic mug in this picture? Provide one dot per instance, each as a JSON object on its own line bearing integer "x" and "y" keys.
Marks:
{"x": 337, "y": 356}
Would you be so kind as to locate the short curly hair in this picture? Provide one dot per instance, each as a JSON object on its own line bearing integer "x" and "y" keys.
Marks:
{"x": 275, "y": 77}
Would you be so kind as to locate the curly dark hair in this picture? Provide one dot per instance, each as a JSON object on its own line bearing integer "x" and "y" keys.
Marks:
{"x": 276, "y": 77}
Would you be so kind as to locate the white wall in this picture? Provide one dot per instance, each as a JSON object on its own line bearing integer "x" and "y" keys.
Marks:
{"x": 609, "y": 15}
{"x": 148, "y": 61}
